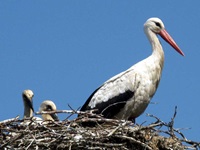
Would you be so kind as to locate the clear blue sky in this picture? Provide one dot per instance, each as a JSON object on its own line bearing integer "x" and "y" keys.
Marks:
{"x": 63, "y": 50}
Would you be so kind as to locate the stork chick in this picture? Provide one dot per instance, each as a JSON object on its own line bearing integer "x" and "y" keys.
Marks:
{"x": 48, "y": 105}
{"x": 27, "y": 96}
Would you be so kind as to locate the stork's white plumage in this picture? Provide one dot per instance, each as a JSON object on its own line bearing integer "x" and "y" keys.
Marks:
{"x": 48, "y": 105}
{"x": 127, "y": 95}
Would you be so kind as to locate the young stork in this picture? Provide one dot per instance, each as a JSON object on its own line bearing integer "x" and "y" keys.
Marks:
{"x": 27, "y": 96}
{"x": 48, "y": 105}
{"x": 127, "y": 95}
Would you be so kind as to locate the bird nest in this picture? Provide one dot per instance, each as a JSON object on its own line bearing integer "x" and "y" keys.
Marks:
{"x": 107, "y": 134}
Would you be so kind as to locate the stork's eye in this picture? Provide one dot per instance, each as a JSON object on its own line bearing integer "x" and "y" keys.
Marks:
{"x": 158, "y": 24}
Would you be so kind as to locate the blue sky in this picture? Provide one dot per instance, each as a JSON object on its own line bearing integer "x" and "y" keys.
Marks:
{"x": 63, "y": 50}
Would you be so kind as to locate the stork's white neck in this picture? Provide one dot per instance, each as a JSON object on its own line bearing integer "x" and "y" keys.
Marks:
{"x": 27, "y": 111}
{"x": 158, "y": 52}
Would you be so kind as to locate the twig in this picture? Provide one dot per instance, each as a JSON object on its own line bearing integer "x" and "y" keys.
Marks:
{"x": 9, "y": 120}
{"x": 30, "y": 144}
{"x": 113, "y": 131}
{"x": 106, "y": 144}
{"x": 89, "y": 113}
{"x": 135, "y": 141}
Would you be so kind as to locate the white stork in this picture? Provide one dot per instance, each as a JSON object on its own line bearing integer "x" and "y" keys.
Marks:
{"x": 48, "y": 105}
{"x": 127, "y": 95}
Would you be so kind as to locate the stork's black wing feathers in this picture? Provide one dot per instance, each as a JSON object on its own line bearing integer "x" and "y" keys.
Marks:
{"x": 85, "y": 106}
{"x": 113, "y": 106}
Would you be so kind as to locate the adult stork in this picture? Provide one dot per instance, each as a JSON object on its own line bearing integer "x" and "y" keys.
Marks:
{"x": 48, "y": 105}
{"x": 127, "y": 95}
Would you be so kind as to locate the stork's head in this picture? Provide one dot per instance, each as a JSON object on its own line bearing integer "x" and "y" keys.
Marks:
{"x": 157, "y": 27}
{"x": 48, "y": 105}
{"x": 27, "y": 96}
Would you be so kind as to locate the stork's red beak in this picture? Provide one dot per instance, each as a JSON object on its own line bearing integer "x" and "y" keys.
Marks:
{"x": 163, "y": 33}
